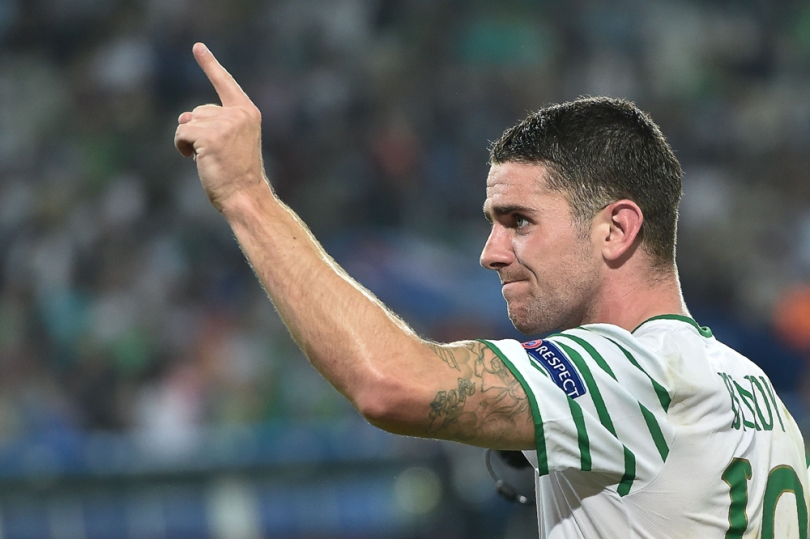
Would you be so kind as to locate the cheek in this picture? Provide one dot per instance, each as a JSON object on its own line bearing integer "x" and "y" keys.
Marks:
{"x": 556, "y": 259}
{"x": 541, "y": 264}
{"x": 526, "y": 252}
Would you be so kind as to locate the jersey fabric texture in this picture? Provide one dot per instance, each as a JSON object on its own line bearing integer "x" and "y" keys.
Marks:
{"x": 659, "y": 433}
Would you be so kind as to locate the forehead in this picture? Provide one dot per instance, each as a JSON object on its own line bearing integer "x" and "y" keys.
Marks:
{"x": 517, "y": 175}
{"x": 512, "y": 183}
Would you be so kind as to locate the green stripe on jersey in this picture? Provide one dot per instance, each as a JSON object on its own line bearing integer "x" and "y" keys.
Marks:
{"x": 539, "y": 435}
{"x": 629, "y": 472}
{"x": 649, "y": 418}
{"x": 597, "y": 357}
{"x": 604, "y": 417}
{"x": 660, "y": 391}
{"x": 584, "y": 442}
{"x": 655, "y": 431}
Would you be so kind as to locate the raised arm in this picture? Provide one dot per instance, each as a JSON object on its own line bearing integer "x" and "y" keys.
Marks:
{"x": 398, "y": 381}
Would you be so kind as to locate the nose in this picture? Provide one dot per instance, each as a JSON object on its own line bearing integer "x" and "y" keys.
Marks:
{"x": 497, "y": 251}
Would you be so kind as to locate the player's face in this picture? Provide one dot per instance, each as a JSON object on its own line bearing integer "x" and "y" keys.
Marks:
{"x": 548, "y": 270}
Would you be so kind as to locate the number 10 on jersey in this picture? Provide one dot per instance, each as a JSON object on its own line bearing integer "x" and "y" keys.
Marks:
{"x": 781, "y": 479}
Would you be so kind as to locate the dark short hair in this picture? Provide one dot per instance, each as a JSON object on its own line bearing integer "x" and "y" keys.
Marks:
{"x": 599, "y": 150}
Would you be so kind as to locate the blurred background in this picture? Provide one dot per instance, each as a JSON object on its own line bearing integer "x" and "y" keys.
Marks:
{"x": 147, "y": 386}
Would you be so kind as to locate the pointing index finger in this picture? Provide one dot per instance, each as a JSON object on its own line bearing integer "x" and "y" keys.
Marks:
{"x": 229, "y": 92}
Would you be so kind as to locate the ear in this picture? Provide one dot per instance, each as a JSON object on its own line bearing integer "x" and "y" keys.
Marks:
{"x": 619, "y": 230}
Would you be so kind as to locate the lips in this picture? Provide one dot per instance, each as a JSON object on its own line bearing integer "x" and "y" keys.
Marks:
{"x": 510, "y": 284}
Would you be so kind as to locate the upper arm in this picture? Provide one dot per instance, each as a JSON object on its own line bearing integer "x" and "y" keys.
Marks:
{"x": 462, "y": 392}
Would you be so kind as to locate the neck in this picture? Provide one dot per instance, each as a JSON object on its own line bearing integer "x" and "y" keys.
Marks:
{"x": 626, "y": 302}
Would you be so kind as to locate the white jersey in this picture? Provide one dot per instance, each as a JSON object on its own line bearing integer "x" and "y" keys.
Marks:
{"x": 659, "y": 433}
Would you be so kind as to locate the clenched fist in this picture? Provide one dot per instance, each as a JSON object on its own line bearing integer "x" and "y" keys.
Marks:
{"x": 224, "y": 140}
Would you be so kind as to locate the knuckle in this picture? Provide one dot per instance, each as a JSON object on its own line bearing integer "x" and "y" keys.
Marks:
{"x": 204, "y": 110}
{"x": 243, "y": 115}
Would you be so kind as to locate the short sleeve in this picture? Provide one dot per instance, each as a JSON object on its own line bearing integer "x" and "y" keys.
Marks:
{"x": 595, "y": 408}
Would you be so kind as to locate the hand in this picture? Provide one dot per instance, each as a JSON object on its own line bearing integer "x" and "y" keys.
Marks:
{"x": 225, "y": 141}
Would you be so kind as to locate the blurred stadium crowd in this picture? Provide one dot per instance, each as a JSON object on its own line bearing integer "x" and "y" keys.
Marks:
{"x": 125, "y": 302}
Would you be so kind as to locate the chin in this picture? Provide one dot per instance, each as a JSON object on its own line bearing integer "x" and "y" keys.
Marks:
{"x": 535, "y": 323}
{"x": 526, "y": 325}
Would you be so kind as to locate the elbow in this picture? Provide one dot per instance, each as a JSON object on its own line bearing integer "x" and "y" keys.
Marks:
{"x": 388, "y": 404}
{"x": 377, "y": 412}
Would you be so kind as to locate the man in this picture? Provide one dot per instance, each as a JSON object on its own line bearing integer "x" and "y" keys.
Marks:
{"x": 638, "y": 422}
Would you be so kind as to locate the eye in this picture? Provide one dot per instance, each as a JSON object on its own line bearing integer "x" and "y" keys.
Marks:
{"x": 520, "y": 221}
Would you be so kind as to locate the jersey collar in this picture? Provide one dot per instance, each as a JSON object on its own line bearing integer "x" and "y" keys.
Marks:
{"x": 703, "y": 330}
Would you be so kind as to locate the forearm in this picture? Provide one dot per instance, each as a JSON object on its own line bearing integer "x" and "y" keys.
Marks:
{"x": 347, "y": 334}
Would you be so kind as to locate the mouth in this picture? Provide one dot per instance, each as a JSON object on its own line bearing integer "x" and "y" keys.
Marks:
{"x": 510, "y": 284}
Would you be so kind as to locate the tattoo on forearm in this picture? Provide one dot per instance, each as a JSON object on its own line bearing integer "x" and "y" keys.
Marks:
{"x": 502, "y": 397}
{"x": 451, "y": 403}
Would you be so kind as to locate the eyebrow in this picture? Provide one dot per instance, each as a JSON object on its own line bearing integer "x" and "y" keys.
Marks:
{"x": 506, "y": 210}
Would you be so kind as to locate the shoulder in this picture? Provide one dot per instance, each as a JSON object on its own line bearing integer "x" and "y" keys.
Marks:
{"x": 687, "y": 344}
{"x": 669, "y": 334}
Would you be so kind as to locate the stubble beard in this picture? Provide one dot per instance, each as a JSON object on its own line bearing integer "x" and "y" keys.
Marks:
{"x": 566, "y": 303}
{"x": 555, "y": 312}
